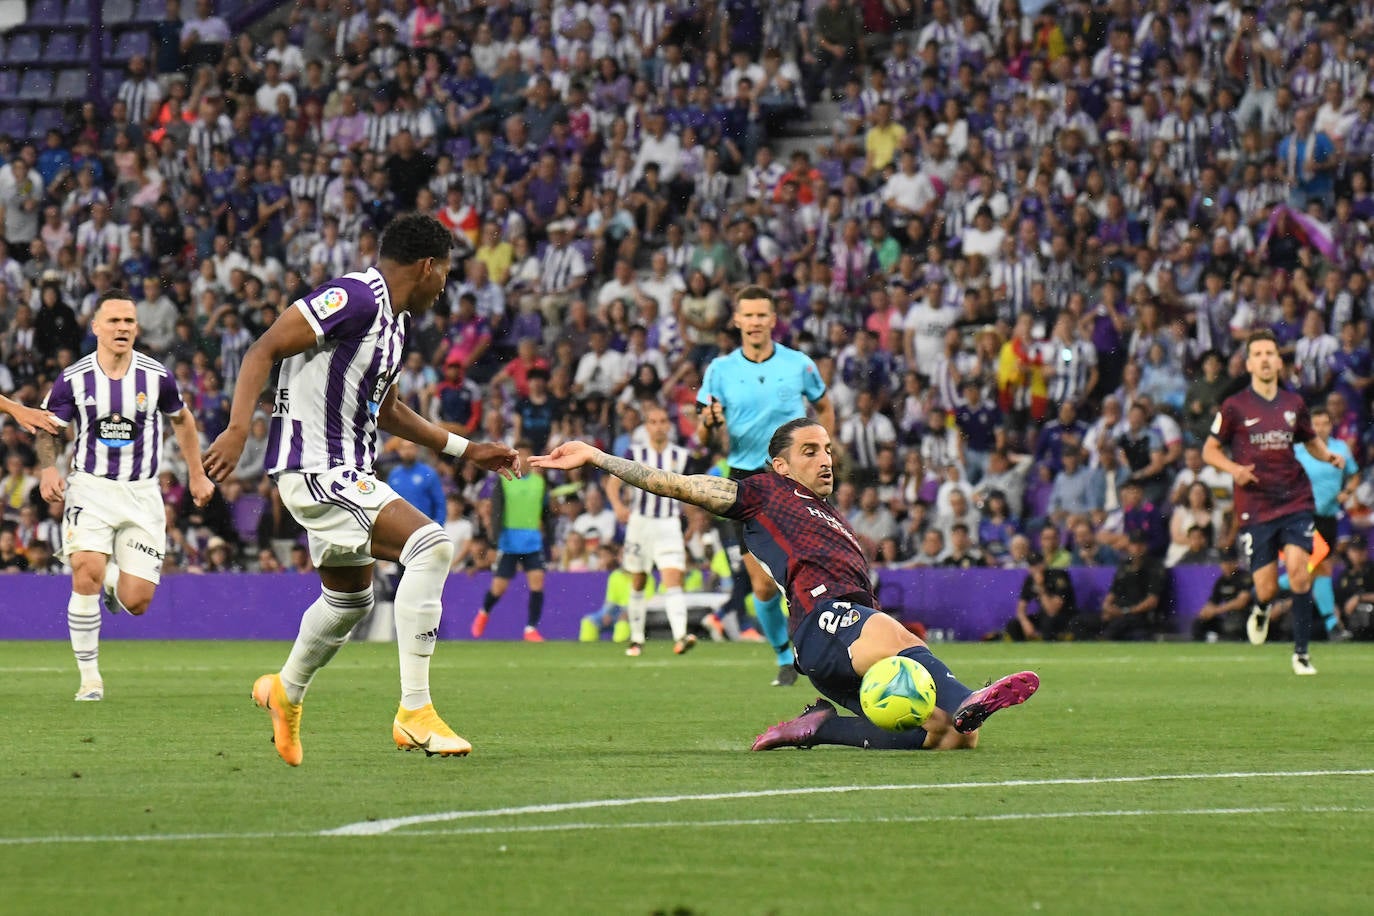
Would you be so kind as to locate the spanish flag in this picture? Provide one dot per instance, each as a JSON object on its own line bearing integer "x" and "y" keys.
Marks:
{"x": 1017, "y": 368}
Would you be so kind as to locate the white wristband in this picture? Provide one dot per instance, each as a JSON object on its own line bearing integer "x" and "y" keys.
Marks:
{"x": 456, "y": 446}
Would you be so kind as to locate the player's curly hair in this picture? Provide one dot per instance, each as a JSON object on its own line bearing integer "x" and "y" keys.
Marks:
{"x": 413, "y": 237}
{"x": 784, "y": 434}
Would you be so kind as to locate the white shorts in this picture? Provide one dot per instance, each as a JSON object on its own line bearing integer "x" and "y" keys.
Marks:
{"x": 123, "y": 519}
{"x": 338, "y": 509}
{"x": 651, "y": 542}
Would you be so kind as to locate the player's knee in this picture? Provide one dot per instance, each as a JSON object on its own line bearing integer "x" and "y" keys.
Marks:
{"x": 428, "y": 548}
{"x": 138, "y": 605}
{"x": 86, "y": 581}
{"x": 1300, "y": 580}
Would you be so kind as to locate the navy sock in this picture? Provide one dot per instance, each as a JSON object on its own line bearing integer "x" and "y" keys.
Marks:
{"x": 489, "y": 602}
{"x": 853, "y": 731}
{"x": 739, "y": 590}
{"x": 1302, "y": 621}
{"x": 949, "y": 693}
{"x": 536, "y": 608}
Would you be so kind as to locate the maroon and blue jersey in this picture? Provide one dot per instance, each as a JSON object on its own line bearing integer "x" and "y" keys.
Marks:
{"x": 807, "y": 547}
{"x": 1262, "y": 433}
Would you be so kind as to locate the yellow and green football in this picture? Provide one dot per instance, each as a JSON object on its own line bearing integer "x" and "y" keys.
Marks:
{"x": 897, "y": 694}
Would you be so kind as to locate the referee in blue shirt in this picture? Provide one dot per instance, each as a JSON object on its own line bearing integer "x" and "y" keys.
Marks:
{"x": 749, "y": 393}
{"x": 1330, "y": 485}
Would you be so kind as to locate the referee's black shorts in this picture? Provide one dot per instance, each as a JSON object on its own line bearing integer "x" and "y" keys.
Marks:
{"x": 1326, "y": 527}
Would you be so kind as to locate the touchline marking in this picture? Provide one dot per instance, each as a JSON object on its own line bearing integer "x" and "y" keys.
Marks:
{"x": 386, "y": 825}
{"x": 668, "y": 825}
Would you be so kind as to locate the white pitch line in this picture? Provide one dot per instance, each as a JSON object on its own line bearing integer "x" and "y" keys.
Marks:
{"x": 385, "y": 825}
{"x": 913, "y": 819}
{"x": 666, "y": 825}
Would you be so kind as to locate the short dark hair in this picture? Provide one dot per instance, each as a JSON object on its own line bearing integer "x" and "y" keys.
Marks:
{"x": 755, "y": 292}
{"x": 1319, "y": 411}
{"x": 784, "y": 434}
{"x": 1259, "y": 335}
{"x": 413, "y": 237}
{"x": 113, "y": 295}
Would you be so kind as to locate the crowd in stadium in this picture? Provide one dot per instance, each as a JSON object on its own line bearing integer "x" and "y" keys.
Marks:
{"x": 1022, "y": 259}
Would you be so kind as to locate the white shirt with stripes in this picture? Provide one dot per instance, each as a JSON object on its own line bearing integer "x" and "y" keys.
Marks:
{"x": 672, "y": 459}
{"x": 142, "y": 98}
{"x": 1312, "y": 359}
{"x": 118, "y": 421}
{"x": 327, "y": 400}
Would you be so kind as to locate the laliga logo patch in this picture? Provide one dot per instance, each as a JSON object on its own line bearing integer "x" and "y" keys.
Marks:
{"x": 850, "y": 618}
{"x": 365, "y": 486}
{"x": 1290, "y": 417}
{"x": 328, "y": 302}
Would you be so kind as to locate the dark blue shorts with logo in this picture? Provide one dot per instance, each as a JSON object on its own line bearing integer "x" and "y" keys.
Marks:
{"x": 1262, "y": 544}
{"x": 823, "y": 640}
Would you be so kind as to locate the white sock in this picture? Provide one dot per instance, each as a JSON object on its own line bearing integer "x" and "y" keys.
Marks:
{"x": 83, "y": 622}
{"x": 112, "y": 583}
{"x": 426, "y": 557}
{"x": 637, "y": 612}
{"x": 325, "y": 627}
{"x": 676, "y": 606}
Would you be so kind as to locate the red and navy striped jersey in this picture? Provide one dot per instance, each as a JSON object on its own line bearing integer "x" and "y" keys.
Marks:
{"x": 1262, "y": 433}
{"x": 807, "y": 547}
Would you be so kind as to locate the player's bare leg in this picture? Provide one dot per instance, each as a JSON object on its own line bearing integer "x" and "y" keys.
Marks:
{"x": 882, "y": 637}
{"x": 405, "y": 535}
{"x": 1266, "y": 583}
{"x": 119, "y": 591}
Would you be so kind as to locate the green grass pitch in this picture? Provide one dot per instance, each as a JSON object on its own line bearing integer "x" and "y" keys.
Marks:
{"x": 604, "y": 785}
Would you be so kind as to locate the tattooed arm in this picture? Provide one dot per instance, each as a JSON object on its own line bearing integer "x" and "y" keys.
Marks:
{"x": 714, "y": 494}
{"x": 50, "y": 483}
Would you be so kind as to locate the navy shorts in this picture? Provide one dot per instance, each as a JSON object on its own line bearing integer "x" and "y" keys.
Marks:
{"x": 1261, "y": 544}
{"x": 822, "y": 641}
{"x": 529, "y": 562}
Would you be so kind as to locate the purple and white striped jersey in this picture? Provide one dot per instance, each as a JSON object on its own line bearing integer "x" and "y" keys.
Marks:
{"x": 325, "y": 415}
{"x": 672, "y": 459}
{"x": 118, "y": 427}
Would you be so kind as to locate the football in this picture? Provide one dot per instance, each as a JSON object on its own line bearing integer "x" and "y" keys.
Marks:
{"x": 897, "y": 694}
